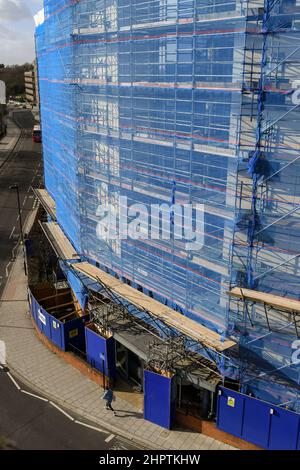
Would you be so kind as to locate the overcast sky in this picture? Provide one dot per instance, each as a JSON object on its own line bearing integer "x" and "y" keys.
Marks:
{"x": 17, "y": 30}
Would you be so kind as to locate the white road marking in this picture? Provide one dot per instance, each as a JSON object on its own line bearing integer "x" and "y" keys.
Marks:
{"x": 34, "y": 396}
{"x": 110, "y": 438}
{"x": 13, "y": 252}
{"x": 62, "y": 411}
{"x": 6, "y": 269}
{"x": 13, "y": 381}
{"x": 90, "y": 427}
{"x": 25, "y": 200}
{"x": 12, "y": 232}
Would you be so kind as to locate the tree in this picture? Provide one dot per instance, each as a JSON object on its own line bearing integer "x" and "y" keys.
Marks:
{"x": 13, "y": 76}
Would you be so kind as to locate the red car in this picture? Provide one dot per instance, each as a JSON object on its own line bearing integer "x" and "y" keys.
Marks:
{"x": 36, "y": 134}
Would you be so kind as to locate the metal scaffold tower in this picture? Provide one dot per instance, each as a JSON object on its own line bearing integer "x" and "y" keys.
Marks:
{"x": 266, "y": 248}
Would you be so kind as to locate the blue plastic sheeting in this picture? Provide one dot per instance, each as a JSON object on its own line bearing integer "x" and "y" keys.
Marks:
{"x": 78, "y": 288}
{"x": 61, "y": 334}
{"x": 159, "y": 399}
{"x": 100, "y": 352}
{"x": 152, "y": 100}
{"x": 258, "y": 422}
{"x": 121, "y": 118}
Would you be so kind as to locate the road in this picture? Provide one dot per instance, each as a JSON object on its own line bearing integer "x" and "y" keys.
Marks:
{"x": 28, "y": 422}
{"x": 31, "y": 424}
{"x": 24, "y": 167}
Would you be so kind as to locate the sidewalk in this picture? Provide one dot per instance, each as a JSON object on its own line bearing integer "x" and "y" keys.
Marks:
{"x": 48, "y": 374}
{"x": 8, "y": 142}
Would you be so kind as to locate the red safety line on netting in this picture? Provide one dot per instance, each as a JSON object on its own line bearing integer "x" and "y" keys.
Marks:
{"x": 269, "y": 248}
{"x": 140, "y": 84}
{"x": 155, "y": 131}
{"x": 158, "y": 85}
{"x": 179, "y": 134}
{"x": 59, "y": 10}
{"x": 148, "y": 37}
{"x": 172, "y": 178}
{"x": 169, "y": 260}
{"x": 178, "y": 254}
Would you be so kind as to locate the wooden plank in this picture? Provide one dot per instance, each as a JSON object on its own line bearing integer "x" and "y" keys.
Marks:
{"x": 169, "y": 316}
{"x": 58, "y": 307}
{"x": 67, "y": 292}
{"x": 59, "y": 241}
{"x": 276, "y": 301}
{"x": 47, "y": 201}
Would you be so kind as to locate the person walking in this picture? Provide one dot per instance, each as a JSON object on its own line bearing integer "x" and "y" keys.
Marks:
{"x": 108, "y": 396}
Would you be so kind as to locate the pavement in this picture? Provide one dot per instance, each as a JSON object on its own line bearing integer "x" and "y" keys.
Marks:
{"x": 51, "y": 377}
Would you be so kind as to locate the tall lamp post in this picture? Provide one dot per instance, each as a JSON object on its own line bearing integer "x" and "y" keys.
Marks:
{"x": 15, "y": 187}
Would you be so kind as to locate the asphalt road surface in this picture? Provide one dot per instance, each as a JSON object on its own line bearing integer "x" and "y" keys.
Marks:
{"x": 24, "y": 167}
{"x": 26, "y": 421}
{"x": 31, "y": 424}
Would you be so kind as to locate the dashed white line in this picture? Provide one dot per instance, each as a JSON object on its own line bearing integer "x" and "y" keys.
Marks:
{"x": 110, "y": 438}
{"x": 34, "y": 396}
{"x": 13, "y": 381}
{"x": 12, "y": 232}
{"x": 25, "y": 200}
{"x": 6, "y": 269}
{"x": 62, "y": 411}
{"x": 90, "y": 427}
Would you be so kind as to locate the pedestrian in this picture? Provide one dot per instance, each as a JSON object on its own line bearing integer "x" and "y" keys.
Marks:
{"x": 108, "y": 396}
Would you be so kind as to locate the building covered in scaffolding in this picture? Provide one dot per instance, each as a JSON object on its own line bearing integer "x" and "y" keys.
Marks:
{"x": 190, "y": 103}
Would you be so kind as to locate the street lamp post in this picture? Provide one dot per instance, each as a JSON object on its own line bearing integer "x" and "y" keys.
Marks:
{"x": 15, "y": 187}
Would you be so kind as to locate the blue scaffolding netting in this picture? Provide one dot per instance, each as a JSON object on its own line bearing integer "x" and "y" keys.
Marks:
{"x": 186, "y": 102}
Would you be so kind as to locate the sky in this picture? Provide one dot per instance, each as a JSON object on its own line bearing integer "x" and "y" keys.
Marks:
{"x": 17, "y": 30}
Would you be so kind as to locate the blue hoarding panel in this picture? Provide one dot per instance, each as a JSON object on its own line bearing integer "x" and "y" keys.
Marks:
{"x": 100, "y": 352}
{"x": 159, "y": 399}
{"x": 74, "y": 333}
{"x": 43, "y": 321}
{"x": 284, "y": 430}
{"x": 33, "y": 306}
{"x": 258, "y": 422}
{"x": 230, "y": 412}
{"x": 57, "y": 333}
{"x": 61, "y": 334}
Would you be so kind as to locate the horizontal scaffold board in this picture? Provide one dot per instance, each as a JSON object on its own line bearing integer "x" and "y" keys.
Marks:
{"x": 158, "y": 310}
{"x": 47, "y": 201}
{"x": 275, "y": 301}
{"x": 59, "y": 242}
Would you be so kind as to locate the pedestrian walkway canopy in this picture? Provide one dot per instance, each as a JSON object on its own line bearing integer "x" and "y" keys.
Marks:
{"x": 59, "y": 242}
{"x": 160, "y": 311}
{"x": 275, "y": 301}
{"x": 47, "y": 202}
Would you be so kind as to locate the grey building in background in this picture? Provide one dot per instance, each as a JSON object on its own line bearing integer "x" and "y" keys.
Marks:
{"x": 31, "y": 86}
